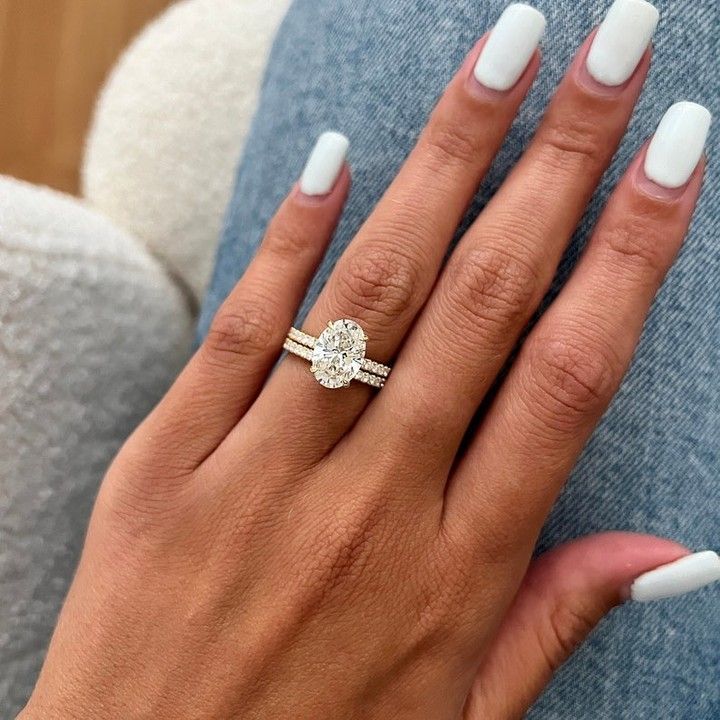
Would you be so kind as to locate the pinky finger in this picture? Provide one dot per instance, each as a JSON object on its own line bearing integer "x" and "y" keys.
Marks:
{"x": 246, "y": 336}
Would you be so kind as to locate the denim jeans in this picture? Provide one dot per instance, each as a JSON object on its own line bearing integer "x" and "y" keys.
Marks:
{"x": 373, "y": 70}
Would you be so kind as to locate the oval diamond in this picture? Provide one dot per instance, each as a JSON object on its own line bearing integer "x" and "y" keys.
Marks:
{"x": 338, "y": 354}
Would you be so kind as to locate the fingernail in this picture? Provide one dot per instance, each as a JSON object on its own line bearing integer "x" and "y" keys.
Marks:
{"x": 682, "y": 576}
{"x": 508, "y": 49}
{"x": 621, "y": 41}
{"x": 678, "y": 144}
{"x": 324, "y": 164}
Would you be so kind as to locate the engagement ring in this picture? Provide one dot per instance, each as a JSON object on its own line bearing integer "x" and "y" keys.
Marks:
{"x": 337, "y": 357}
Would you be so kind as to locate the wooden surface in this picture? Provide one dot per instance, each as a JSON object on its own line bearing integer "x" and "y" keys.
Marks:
{"x": 54, "y": 56}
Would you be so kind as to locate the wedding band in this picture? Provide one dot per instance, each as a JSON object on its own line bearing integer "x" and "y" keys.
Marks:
{"x": 337, "y": 356}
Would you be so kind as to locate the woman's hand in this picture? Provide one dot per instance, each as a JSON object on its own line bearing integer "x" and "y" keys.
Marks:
{"x": 264, "y": 547}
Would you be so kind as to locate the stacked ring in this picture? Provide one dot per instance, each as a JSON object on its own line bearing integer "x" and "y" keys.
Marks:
{"x": 337, "y": 356}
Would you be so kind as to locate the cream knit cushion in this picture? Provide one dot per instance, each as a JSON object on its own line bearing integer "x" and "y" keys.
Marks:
{"x": 92, "y": 332}
{"x": 170, "y": 125}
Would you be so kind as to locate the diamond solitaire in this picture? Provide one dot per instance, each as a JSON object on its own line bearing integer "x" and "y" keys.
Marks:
{"x": 337, "y": 357}
{"x": 338, "y": 354}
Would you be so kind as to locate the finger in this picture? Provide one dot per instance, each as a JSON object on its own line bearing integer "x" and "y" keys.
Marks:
{"x": 385, "y": 275}
{"x": 564, "y": 595}
{"x": 573, "y": 361}
{"x": 504, "y": 265}
{"x": 246, "y": 336}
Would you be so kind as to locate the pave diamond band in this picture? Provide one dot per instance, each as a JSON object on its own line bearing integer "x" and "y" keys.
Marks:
{"x": 337, "y": 356}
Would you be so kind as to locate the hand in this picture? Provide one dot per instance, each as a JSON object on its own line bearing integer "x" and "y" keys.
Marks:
{"x": 263, "y": 547}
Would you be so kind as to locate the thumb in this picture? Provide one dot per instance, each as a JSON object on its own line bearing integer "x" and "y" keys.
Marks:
{"x": 563, "y": 596}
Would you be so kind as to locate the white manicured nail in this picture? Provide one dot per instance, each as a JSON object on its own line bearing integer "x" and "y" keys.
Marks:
{"x": 682, "y": 576}
{"x": 508, "y": 49}
{"x": 621, "y": 41}
{"x": 678, "y": 144}
{"x": 324, "y": 164}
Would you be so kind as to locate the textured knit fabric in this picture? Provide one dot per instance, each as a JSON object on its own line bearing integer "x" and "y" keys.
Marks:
{"x": 92, "y": 332}
{"x": 373, "y": 69}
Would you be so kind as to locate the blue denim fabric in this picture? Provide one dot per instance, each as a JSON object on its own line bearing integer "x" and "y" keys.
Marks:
{"x": 373, "y": 69}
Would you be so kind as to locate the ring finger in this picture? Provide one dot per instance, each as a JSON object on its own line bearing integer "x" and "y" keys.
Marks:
{"x": 387, "y": 272}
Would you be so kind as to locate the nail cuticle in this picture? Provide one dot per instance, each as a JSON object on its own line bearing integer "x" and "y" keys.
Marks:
{"x": 590, "y": 85}
{"x": 650, "y": 189}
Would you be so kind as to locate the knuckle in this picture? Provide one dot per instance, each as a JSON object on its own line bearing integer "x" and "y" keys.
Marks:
{"x": 636, "y": 248}
{"x": 353, "y": 538}
{"x": 240, "y": 332}
{"x": 491, "y": 286}
{"x": 409, "y": 225}
{"x": 568, "y": 628}
{"x": 377, "y": 284}
{"x": 452, "y": 143}
{"x": 342, "y": 548}
{"x": 439, "y": 612}
{"x": 142, "y": 501}
{"x": 572, "y": 379}
{"x": 574, "y": 142}
{"x": 285, "y": 239}
{"x": 509, "y": 227}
